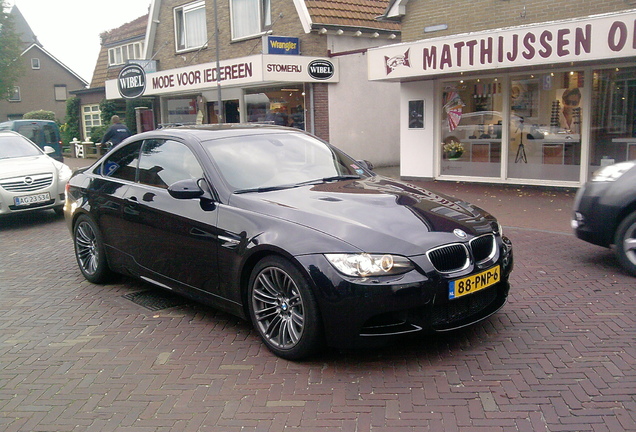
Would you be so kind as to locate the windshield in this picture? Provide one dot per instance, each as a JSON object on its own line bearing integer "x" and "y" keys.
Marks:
{"x": 12, "y": 146}
{"x": 269, "y": 161}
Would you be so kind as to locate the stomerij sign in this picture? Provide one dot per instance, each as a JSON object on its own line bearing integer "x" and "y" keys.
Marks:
{"x": 593, "y": 38}
{"x": 230, "y": 73}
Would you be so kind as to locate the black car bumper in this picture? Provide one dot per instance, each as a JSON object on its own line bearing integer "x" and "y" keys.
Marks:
{"x": 366, "y": 312}
{"x": 594, "y": 218}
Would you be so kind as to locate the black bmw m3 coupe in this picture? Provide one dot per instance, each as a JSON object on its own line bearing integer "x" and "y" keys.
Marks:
{"x": 280, "y": 228}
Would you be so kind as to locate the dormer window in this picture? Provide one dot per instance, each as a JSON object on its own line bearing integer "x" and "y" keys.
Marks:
{"x": 121, "y": 54}
{"x": 190, "y": 26}
{"x": 35, "y": 63}
{"x": 250, "y": 18}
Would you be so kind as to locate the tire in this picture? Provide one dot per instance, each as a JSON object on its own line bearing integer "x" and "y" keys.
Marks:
{"x": 89, "y": 251}
{"x": 625, "y": 242}
{"x": 283, "y": 309}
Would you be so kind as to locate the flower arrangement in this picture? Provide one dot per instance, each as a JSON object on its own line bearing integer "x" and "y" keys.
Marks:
{"x": 453, "y": 148}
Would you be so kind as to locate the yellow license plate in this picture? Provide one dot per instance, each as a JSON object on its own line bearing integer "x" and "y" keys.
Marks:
{"x": 473, "y": 283}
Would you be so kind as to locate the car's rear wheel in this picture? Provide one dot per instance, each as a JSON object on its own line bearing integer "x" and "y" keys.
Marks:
{"x": 625, "y": 242}
{"x": 283, "y": 309}
{"x": 89, "y": 250}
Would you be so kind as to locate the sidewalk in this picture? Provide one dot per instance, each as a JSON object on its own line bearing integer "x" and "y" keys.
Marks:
{"x": 529, "y": 207}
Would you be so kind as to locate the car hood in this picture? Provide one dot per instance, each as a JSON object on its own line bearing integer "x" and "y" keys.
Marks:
{"x": 21, "y": 166}
{"x": 376, "y": 214}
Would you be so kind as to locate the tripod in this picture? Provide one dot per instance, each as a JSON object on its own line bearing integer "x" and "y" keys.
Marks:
{"x": 521, "y": 150}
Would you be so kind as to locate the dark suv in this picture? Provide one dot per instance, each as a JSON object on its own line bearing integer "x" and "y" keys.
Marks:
{"x": 41, "y": 132}
{"x": 605, "y": 211}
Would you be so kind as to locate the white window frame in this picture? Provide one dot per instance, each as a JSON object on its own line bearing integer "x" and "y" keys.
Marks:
{"x": 35, "y": 63}
{"x": 261, "y": 17}
{"x": 119, "y": 55}
{"x": 94, "y": 118}
{"x": 189, "y": 40}
{"x": 15, "y": 95}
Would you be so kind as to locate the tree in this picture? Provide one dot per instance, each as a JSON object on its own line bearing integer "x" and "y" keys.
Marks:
{"x": 71, "y": 129}
{"x": 10, "y": 50}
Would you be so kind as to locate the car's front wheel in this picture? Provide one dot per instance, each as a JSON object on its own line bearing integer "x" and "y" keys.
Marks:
{"x": 283, "y": 309}
{"x": 625, "y": 242}
{"x": 89, "y": 250}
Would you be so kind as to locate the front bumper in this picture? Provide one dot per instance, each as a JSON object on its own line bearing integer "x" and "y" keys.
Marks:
{"x": 7, "y": 205}
{"x": 360, "y": 312}
{"x": 594, "y": 219}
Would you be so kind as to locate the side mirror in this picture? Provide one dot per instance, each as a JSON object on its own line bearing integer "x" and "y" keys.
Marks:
{"x": 366, "y": 164}
{"x": 48, "y": 150}
{"x": 185, "y": 189}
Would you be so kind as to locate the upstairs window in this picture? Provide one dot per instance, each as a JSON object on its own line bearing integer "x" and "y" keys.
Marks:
{"x": 14, "y": 96}
{"x": 190, "y": 26}
{"x": 250, "y": 17}
{"x": 35, "y": 63}
{"x": 60, "y": 92}
{"x": 121, "y": 54}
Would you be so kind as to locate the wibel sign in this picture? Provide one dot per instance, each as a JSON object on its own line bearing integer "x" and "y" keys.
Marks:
{"x": 131, "y": 81}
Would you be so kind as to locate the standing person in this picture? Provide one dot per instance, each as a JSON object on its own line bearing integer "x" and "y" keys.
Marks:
{"x": 116, "y": 133}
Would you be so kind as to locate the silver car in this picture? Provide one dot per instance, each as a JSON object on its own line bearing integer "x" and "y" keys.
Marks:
{"x": 29, "y": 178}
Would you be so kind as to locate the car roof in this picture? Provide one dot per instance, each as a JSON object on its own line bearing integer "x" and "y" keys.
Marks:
{"x": 217, "y": 131}
{"x": 12, "y": 133}
{"x": 10, "y": 122}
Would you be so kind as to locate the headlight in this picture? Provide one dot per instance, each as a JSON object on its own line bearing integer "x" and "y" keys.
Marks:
{"x": 64, "y": 173}
{"x": 612, "y": 172}
{"x": 366, "y": 265}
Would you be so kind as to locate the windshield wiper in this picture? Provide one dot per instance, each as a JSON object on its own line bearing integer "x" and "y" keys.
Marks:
{"x": 305, "y": 183}
{"x": 341, "y": 177}
{"x": 265, "y": 189}
{"x": 329, "y": 179}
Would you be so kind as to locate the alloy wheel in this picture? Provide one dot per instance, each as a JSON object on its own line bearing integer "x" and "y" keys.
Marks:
{"x": 278, "y": 308}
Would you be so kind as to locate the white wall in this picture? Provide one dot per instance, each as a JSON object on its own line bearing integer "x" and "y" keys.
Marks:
{"x": 417, "y": 146}
{"x": 363, "y": 115}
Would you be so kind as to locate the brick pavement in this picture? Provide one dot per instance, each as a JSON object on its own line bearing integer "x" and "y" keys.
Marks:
{"x": 80, "y": 357}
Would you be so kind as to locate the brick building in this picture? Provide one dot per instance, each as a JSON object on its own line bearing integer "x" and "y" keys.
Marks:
{"x": 45, "y": 83}
{"x": 119, "y": 46}
{"x": 537, "y": 92}
{"x": 293, "y": 62}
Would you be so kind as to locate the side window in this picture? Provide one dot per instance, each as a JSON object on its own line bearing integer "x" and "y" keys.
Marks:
{"x": 123, "y": 163}
{"x": 49, "y": 135}
{"x": 164, "y": 162}
{"x": 29, "y": 131}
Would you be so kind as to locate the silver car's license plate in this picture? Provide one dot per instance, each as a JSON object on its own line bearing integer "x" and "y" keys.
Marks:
{"x": 31, "y": 199}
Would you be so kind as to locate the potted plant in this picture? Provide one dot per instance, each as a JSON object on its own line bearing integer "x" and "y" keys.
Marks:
{"x": 453, "y": 149}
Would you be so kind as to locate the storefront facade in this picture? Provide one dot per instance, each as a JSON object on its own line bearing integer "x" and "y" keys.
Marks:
{"x": 272, "y": 89}
{"x": 545, "y": 103}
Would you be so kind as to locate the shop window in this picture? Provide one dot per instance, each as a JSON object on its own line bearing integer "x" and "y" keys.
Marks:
{"x": 250, "y": 17}
{"x": 181, "y": 111}
{"x": 472, "y": 128}
{"x": 91, "y": 118}
{"x": 190, "y": 26}
{"x": 280, "y": 106}
{"x": 613, "y": 121}
{"x": 545, "y": 126}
